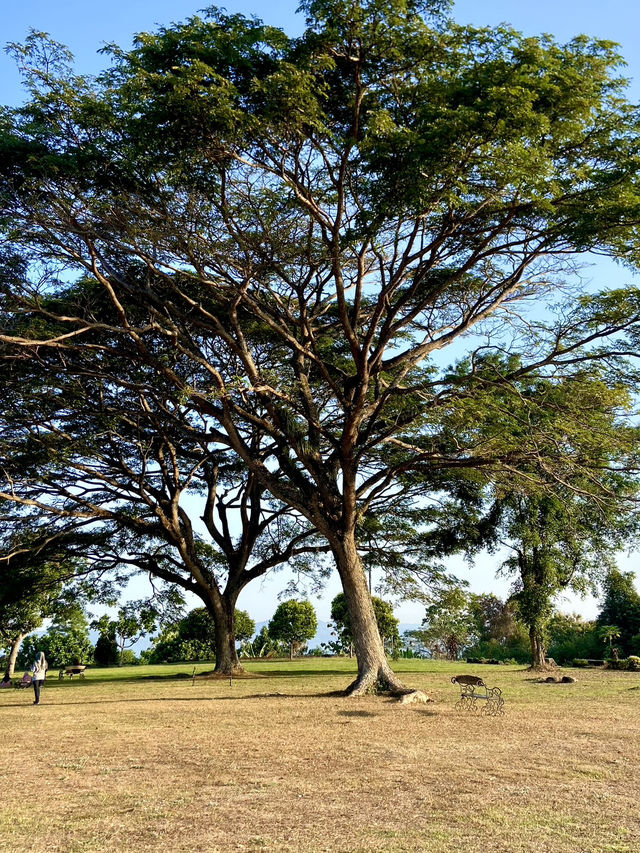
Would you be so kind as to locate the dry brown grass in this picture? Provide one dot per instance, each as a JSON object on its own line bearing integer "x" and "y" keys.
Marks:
{"x": 171, "y": 766}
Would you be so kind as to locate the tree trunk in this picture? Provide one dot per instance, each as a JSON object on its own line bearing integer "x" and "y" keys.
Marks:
{"x": 538, "y": 651}
{"x": 13, "y": 654}
{"x": 374, "y": 673}
{"x": 223, "y": 612}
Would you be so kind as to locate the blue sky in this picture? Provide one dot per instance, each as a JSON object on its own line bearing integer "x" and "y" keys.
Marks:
{"x": 85, "y": 28}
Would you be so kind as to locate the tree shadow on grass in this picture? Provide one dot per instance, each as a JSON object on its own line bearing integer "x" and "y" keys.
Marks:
{"x": 207, "y": 676}
{"x": 356, "y": 714}
{"x": 53, "y": 704}
{"x": 303, "y": 673}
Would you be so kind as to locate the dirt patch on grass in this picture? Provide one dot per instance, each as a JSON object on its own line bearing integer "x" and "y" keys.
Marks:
{"x": 210, "y": 767}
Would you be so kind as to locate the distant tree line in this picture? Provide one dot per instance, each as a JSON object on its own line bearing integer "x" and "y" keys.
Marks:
{"x": 457, "y": 624}
{"x": 460, "y": 624}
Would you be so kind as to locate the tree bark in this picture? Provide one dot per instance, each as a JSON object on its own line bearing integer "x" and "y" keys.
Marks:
{"x": 222, "y": 609}
{"x": 13, "y": 654}
{"x": 374, "y": 673}
{"x": 538, "y": 650}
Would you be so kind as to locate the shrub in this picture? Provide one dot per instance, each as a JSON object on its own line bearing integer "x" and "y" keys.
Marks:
{"x": 634, "y": 663}
{"x": 517, "y": 650}
{"x": 623, "y": 664}
{"x": 580, "y": 662}
{"x": 128, "y": 658}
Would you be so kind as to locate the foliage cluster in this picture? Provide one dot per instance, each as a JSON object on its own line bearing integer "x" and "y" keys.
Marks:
{"x": 64, "y": 643}
{"x": 192, "y": 638}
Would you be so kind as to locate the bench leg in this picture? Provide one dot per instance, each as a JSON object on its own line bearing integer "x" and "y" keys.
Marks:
{"x": 467, "y": 702}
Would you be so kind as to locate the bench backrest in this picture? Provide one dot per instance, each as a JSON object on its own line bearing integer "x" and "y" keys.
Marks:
{"x": 473, "y": 680}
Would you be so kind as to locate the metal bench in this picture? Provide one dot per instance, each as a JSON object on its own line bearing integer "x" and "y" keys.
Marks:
{"x": 472, "y": 689}
{"x": 71, "y": 671}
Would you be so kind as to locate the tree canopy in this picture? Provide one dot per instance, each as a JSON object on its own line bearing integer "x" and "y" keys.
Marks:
{"x": 294, "y": 622}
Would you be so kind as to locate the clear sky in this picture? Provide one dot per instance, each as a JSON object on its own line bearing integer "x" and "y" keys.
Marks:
{"x": 86, "y": 27}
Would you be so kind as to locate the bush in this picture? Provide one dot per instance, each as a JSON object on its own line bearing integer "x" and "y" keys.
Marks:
{"x": 580, "y": 662}
{"x": 634, "y": 663}
{"x": 517, "y": 649}
{"x": 128, "y": 657}
{"x": 622, "y": 664}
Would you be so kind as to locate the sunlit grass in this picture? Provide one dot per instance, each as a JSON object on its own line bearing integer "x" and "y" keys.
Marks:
{"x": 147, "y": 758}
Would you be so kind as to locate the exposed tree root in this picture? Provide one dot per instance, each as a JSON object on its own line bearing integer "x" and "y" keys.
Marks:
{"x": 379, "y": 682}
{"x": 543, "y": 667}
{"x": 230, "y": 671}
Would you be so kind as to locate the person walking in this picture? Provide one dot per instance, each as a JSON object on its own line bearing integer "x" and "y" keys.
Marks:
{"x": 39, "y": 670}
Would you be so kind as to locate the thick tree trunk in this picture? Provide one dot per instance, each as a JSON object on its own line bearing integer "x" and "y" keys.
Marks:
{"x": 374, "y": 673}
{"x": 13, "y": 654}
{"x": 538, "y": 650}
{"x": 223, "y": 612}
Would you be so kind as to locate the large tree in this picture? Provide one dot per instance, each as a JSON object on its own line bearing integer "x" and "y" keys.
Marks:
{"x": 324, "y": 215}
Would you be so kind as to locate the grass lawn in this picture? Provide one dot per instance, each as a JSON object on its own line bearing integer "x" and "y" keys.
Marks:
{"x": 127, "y": 762}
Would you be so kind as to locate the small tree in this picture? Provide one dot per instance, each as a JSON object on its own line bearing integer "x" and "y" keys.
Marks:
{"x": 105, "y": 652}
{"x": 621, "y": 608}
{"x": 448, "y": 624}
{"x": 294, "y": 622}
{"x": 134, "y": 621}
{"x": 609, "y": 633}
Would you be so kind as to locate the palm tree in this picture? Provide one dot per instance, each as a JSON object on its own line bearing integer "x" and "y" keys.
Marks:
{"x": 609, "y": 633}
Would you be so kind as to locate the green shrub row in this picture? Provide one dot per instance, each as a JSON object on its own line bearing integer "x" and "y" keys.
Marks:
{"x": 631, "y": 664}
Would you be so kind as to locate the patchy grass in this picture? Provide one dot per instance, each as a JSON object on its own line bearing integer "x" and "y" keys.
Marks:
{"x": 275, "y": 761}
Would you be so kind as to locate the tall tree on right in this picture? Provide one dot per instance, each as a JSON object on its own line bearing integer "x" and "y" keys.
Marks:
{"x": 621, "y": 609}
{"x": 558, "y": 540}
